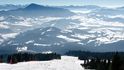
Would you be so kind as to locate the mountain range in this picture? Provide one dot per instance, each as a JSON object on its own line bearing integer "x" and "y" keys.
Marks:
{"x": 60, "y": 29}
{"x": 53, "y": 39}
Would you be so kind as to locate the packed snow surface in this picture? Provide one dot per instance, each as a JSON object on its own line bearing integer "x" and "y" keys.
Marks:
{"x": 66, "y": 63}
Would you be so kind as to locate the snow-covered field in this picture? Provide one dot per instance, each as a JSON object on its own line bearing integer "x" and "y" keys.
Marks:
{"x": 66, "y": 63}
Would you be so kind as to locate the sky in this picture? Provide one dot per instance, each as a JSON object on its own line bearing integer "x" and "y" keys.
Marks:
{"x": 103, "y": 3}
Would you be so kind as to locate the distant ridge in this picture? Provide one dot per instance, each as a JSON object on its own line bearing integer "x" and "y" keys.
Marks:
{"x": 34, "y": 10}
{"x": 34, "y": 6}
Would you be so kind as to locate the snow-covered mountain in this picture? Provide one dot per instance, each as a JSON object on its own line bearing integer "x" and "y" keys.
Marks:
{"x": 92, "y": 28}
{"x": 60, "y": 41}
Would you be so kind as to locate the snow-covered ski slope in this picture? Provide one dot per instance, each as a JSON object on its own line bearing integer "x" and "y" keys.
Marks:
{"x": 66, "y": 63}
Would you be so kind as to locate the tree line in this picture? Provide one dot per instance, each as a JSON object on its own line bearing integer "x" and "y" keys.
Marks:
{"x": 24, "y": 57}
{"x": 99, "y": 60}
{"x": 116, "y": 63}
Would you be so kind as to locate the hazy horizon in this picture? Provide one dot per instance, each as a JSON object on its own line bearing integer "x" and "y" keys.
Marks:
{"x": 103, "y": 3}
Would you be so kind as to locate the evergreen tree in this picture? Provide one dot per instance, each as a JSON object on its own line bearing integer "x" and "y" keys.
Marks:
{"x": 116, "y": 62}
{"x": 1, "y": 58}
